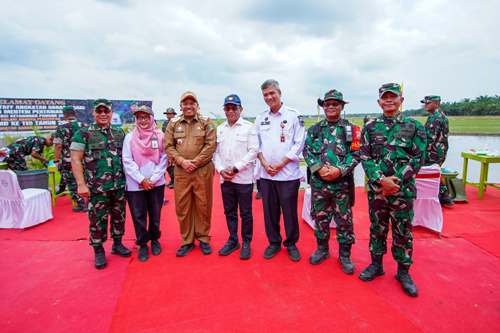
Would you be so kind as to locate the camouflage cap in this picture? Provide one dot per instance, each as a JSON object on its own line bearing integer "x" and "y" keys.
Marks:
{"x": 431, "y": 98}
{"x": 395, "y": 88}
{"x": 102, "y": 102}
{"x": 189, "y": 94}
{"x": 170, "y": 110}
{"x": 332, "y": 94}
{"x": 145, "y": 109}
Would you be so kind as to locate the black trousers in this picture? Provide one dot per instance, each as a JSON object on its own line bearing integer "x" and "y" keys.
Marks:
{"x": 277, "y": 197}
{"x": 143, "y": 204}
{"x": 234, "y": 195}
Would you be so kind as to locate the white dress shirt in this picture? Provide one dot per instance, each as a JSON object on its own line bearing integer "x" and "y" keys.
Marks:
{"x": 135, "y": 175}
{"x": 288, "y": 123}
{"x": 237, "y": 146}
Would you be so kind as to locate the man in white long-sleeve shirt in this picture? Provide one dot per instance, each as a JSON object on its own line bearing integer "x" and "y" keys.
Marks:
{"x": 234, "y": 159}
{"x": 281, "y": 134}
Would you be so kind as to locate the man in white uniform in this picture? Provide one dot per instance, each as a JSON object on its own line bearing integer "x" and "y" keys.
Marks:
{"x": 234, "y": 159}
{"x": 281, "y": 134}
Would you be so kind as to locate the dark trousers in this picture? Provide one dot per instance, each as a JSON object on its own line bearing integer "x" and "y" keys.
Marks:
{"x": 277, "y": 197}
{"x": 143, "y": 204}
{"x": 234, "y": 195}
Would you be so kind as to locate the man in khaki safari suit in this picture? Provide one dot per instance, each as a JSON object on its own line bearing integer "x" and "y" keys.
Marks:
{"x": 190, "y": 141}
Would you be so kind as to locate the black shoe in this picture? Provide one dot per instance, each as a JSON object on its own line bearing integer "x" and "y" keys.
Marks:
{"x": 321, "y": 253}
{"x": 119, "y": 249}
{"x": 61, "y": 190}
{"x": 271, "y": 251}
{"x": 184, "y": 250}
{"x": 293, "y": 253}
{"x": 80, "y": 208}
{"x": 345, "y": 259}
{"x": 229, "y": 248}
{"x": 170, "y": 185}
{"x": 205, "y": 248}
{"x": 258, "y": 196}
{"x": 245, "y": 253}
{"x": 407, "y": 283}
{"x": 155, "y": 247}
{"x": 446, "y": 201}
{"x": 100, "y": 257}
{"x": 143, "y": 253}
{"x": 373, "y": 270}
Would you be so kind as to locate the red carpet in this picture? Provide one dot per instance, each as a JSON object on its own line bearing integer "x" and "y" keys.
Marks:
{"x": 50, "y": 285}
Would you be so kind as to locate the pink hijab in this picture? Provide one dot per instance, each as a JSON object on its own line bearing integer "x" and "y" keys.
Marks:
{"x": 142, "y": 152}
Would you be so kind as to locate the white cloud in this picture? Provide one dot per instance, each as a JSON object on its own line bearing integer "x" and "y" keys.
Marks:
{"x": 158, "y": 49}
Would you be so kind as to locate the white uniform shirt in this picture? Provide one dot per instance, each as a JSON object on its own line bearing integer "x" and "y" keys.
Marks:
{"x": 237, "y": 146}
{"x": 135, "y": 175}
{"x": 270, "y": 127}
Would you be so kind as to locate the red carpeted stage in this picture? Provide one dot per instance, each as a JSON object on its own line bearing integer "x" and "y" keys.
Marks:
{"x": 49, "y": 283}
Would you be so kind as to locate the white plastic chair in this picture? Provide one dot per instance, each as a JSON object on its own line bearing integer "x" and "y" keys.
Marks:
{"x": 22, "y": 208}
{"x": 427, "y": 209}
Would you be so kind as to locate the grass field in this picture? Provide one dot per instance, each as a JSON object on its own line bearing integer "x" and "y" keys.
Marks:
{"x": 458, "y": 125}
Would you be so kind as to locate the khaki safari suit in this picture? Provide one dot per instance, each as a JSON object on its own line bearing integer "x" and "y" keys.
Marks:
{"x": 195, "y": 140}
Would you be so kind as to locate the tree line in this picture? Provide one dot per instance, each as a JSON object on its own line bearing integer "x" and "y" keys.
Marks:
{"x": 480, "y": 106}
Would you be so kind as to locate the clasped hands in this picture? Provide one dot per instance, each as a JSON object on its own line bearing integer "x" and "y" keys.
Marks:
{"x": 329, "y": 173}
{"x": 273, "y": 169}
{"x": 147, "y": 184}
{"x": 188, "y": 166}
{"x": 389, "y": 185}
{"x": 228, "y": 174}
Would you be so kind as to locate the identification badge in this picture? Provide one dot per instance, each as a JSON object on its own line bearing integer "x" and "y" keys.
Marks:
{"x": 154, "y": 143}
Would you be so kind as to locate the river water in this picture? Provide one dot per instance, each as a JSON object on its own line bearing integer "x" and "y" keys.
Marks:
{"x": 454, "y": 162}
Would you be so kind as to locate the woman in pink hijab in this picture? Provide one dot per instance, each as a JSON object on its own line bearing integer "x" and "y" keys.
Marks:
{"x": 145, "y": 163}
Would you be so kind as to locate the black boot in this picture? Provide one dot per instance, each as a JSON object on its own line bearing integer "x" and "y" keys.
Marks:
{"x": 100, "y": 257}
{"x": 373, "y": 270}
{"x": 61, "y": 189}
{"x": 345, "y": 258}
{"x": 119, "y": 249}
{"x": 321, "y": 252}
{"x": 407, "y": 283}
{"x": 143, "y": 254}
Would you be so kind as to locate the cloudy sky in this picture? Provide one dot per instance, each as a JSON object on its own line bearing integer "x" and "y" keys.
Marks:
{"x": 155, "y": 50}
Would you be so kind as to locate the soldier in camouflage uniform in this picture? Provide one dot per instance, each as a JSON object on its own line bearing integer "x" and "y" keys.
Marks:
{"x": 97, "y": 151}
{"x": 33, "y": 146}
{"x": 392, "y": 152}
{"x": 62, "y": 155}
{"x": 170, "y": 113}
{"x": 436, "y": 127}
{"x": 329, "y": 155}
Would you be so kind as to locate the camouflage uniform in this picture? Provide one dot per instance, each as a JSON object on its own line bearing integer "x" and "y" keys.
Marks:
{"x": 105, "y": 178}
{"x": 392, "y": 146}
{"x": 327, "y": 144}
{"x": 21, "y": 148}
{"x": 63, "y": 136}
{"x": 436, "y": 127}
